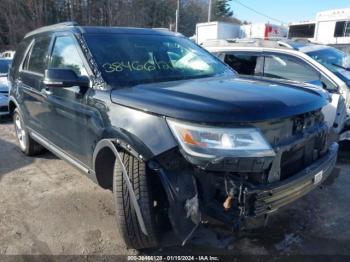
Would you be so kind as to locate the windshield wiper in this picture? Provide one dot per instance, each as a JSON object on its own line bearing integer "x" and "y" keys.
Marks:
{"x": 342, "y": 67}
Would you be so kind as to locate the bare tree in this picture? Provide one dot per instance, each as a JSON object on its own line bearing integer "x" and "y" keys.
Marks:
{"x": 21, "y": 16}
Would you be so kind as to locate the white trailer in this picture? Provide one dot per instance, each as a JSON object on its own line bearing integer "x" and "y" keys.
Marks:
{"x": 216, "y": 31}
{"x": 331, "y": 27}
{"x": 263, "y": 31}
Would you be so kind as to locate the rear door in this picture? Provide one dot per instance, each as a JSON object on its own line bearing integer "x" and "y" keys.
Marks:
{"x": 34, "y": 107}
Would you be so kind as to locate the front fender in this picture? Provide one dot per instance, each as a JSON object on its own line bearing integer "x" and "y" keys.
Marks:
{"x": 140, "y": 132}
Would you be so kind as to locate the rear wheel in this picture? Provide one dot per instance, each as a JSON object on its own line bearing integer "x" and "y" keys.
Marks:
{"x": 128, "y": 224}
{"x": 27, "y": 145}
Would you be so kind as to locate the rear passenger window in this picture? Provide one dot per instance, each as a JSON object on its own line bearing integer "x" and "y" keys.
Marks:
{"x": 37, "y": 60}
{"x": 245, "y": 64}
{"x": 289, "y": 68}
{"x": 65, "y": 56}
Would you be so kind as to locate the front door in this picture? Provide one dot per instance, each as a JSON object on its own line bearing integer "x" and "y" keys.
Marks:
{"x": 70, "y": 111}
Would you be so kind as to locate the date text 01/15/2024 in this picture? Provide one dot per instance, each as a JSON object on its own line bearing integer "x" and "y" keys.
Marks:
{"x": 173, "y": 258}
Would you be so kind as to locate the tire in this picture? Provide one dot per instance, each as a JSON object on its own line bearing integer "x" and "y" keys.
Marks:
{"x": 27, "y": 145}
{"x": 127, "y": 221}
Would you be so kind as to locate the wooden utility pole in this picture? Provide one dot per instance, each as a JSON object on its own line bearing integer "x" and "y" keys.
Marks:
{"x": 177, "y": 16}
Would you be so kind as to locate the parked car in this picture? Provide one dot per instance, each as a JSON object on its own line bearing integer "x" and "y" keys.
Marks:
{"x": 8, "y": 54}
{"x": 167, "y": 127}
{"x": 4, "y": 68}
{"x": 323, "y": 66}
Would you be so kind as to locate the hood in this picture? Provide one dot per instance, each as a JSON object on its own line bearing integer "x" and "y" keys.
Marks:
{"x": 221, "y": 100}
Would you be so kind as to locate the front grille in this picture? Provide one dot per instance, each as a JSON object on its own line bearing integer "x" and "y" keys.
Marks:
{"x": 306, "y": 121}
{"x": 303, "y": 155}
{"x": 296, "y": 159}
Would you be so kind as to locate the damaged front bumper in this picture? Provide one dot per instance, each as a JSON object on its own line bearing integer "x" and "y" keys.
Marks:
{"x": 251, "y": 200}
{"x": 266, "y": 199}
{"x": 198, "y": 196}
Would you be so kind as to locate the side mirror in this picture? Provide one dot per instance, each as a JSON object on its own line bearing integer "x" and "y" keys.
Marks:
{"x": 62, "y": 78}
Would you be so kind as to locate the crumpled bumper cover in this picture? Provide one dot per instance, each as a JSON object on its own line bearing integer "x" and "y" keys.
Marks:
{"x": 269, "y": 198}
{"x": 197, "y": 196}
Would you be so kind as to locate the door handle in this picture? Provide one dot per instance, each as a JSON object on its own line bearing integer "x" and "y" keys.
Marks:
{"x": 46, "y": 91}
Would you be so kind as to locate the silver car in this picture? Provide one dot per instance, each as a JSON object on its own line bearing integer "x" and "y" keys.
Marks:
{"x": 4, "y": 68}
{"x": 319, "y": 65}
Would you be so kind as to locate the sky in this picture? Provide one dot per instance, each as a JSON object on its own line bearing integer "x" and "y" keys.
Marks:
{"x": 284, "y": 10}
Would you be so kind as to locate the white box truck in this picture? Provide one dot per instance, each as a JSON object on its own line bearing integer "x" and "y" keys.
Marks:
{"x": 216, "y": 31}
{"x": 263, "y": 31}
{"x": 331, "y": 27}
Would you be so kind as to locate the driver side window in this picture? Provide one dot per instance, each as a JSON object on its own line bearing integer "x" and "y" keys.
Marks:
{"x": 65, "y": 56}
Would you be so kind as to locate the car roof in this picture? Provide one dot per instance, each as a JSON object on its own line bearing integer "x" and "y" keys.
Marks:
{"x": 311, "y": 48}
{"x": 284, "y": 44}
{"x": 76, "y": 28}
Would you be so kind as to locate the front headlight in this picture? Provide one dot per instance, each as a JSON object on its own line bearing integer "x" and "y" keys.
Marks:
{"x": 212, "y": 142}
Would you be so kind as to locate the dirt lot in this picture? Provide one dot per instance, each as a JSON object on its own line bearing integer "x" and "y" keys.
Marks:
{"x": 47, "y": 207}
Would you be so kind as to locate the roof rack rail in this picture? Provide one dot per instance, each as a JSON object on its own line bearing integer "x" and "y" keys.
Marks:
{"x": 51, "y": 27}
{"x": 277, "y": 42}
{"x": 241, "y": 40}
{"x": 284, "y": 44}
{"x": 215, "y": 42}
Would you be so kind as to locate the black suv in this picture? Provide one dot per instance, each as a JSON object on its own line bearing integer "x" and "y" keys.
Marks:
{"x": 167, "y": 127}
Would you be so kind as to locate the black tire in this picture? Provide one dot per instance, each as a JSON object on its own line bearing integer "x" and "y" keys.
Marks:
{"x": 27, "y": 145}
{"x": 126, "y": 217}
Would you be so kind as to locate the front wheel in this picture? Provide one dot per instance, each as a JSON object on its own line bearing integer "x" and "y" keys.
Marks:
{"x": 27, "y": 145}
{"x": 127, "y": 222}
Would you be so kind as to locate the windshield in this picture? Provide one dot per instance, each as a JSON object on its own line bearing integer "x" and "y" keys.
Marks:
{"x": 335, "y": 60}
{"x": 126, "y": 60}
{"x": 4, "y": 66}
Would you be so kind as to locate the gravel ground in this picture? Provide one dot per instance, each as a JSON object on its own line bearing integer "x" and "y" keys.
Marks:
{"x": 47, "y": 207}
